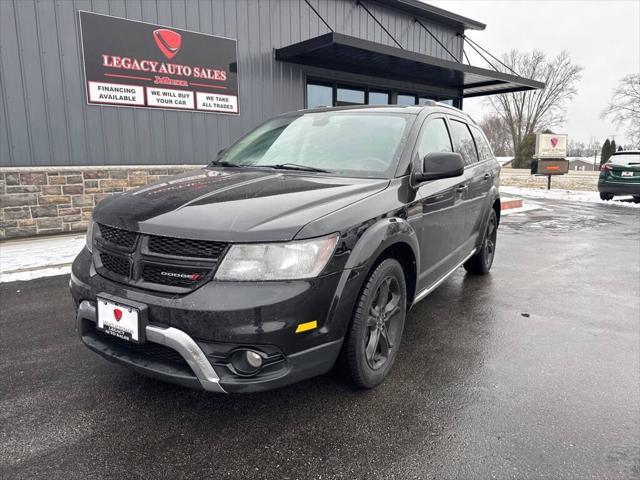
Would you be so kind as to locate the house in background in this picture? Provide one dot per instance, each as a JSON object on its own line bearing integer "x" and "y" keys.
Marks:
{"x": 582, "y": 164}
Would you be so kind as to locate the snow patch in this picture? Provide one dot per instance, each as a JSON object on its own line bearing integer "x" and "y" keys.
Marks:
{"x": 568, "y": 195}
{"x": 40, "y": 257}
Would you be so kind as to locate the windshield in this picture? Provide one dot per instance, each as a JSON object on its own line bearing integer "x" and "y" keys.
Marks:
{"x": 625, "y": 159}
{"x": 343, "y": 143}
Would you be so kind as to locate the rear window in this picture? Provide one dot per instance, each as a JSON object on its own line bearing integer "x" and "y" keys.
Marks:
{"x": 464, "y": 143}
{"x": 625, "y": 159}
{"x": 484, "y": 150}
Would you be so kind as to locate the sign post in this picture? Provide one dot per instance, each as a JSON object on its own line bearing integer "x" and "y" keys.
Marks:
{"x": 550, "y": 156}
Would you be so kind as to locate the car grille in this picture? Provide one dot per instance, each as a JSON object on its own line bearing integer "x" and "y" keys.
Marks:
{"x": 173, "y": 276}
{"x": 115, "y": 264}
{"x": 119, "y": 237}
{"x": 186, "y": 247}
{"x": 148, "y": 349}
{"x": 166, "y": 264}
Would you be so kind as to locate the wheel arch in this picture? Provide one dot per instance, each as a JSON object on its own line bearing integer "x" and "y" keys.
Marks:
{"x": 390, "y": 237}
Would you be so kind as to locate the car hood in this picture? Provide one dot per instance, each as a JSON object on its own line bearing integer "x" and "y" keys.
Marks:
{"x": 234, "y": 205}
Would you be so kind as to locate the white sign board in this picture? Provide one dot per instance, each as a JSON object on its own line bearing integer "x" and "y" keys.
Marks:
{"x": 551, "y": 145}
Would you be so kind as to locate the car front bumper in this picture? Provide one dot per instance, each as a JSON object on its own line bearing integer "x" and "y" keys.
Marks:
{"x": 191, "y": 338}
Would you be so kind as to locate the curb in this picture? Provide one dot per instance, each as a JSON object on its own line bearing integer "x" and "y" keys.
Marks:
{"x": 509, "y": 203}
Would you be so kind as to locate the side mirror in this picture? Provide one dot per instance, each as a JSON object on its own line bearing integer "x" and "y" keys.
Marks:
{"x": 437, "y": 165}
{"x": 221, "y": 152}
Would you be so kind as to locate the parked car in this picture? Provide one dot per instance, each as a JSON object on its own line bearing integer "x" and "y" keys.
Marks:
{"x": 620, "y": 175}
{"x": 302, "y": 245}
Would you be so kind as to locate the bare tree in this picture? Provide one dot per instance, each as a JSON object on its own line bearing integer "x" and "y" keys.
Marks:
{"x": 498, "y": 135}
{"x": 531, "y": 111}
{"x": 624, "y": 107}
{"x": 576, "y": 148}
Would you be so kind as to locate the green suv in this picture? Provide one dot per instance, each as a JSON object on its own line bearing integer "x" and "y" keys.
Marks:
{"x": 620, "y": 175}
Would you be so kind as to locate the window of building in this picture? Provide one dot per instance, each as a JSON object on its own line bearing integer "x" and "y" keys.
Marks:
{"x": 463, "y": 141}
{"x": 435, "y": 138}
{"x": 404, "y": 99}
{"x": 484, "y": 150}
{"x": 350, "y": 96}
{"x": 322, "y": 93}
{"x": 378, "y": 98}
{"x": 319, "y": 95}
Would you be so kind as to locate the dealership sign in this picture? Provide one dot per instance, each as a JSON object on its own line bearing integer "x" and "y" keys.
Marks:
{"x": 550, "y": 145}
{"x": 137, "y": 64}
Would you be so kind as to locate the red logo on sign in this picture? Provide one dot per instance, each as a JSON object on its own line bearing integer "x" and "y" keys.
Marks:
{"x": 117, "y": 313}
{"x": 168, "y": 41}
{"x": 554, "y": 141}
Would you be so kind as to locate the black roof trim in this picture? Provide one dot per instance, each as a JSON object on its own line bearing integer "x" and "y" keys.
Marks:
{"x": 416, "y": 7}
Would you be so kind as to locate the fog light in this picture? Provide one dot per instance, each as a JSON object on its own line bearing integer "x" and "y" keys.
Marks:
{"x": 246, "y": 362}
{"x": 253, "y": 359}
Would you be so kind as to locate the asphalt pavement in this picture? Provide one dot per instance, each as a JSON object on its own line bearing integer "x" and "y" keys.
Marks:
{"x": 530, "y": 372}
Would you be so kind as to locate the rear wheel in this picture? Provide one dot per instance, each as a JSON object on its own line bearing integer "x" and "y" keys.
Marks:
{"x": 481, "y": 262}
{"x": 606, "y": 196}
{"x": 374, "y": 336}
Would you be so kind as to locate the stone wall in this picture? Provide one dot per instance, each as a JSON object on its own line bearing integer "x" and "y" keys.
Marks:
{"x": 50, "y": 200}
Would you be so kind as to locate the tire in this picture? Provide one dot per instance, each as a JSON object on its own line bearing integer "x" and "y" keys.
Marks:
{"x": 373, "y": 340}
{"x": 606, "y": 196}
{"x": 481, "y": 262}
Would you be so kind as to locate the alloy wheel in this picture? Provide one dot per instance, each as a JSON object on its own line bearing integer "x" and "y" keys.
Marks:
{"x": 382, "y": 323}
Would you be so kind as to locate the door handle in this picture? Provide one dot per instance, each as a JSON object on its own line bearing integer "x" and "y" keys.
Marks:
{"x": 462, "y": 188}
{"x": 487, "y": 176}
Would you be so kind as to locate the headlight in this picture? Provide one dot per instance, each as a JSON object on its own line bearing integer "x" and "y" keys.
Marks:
{"x": 277, "y": 261}
{"x": 89, "y": 237}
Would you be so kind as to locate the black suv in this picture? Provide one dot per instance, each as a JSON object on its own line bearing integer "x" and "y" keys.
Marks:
{"x": 304, "y": 244}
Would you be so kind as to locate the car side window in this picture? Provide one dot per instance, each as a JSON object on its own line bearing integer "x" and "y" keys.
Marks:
{"x": 464, "y": 143}
{"x": 484, "y": 150}
{"x": 434, "y": 138}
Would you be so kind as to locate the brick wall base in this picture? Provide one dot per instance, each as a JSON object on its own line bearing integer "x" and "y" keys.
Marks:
{"x": 50, "y": 200}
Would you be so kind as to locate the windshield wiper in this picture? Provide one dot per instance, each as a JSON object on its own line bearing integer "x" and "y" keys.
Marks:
{"x": 295, "y": 166}
{"x": 222, "y": 163}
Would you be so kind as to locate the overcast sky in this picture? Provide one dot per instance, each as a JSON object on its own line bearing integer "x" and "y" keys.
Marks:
{"x": 601, "y": 36}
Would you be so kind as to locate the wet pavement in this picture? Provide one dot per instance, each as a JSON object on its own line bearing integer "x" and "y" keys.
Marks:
{"x": 530, "y": 372}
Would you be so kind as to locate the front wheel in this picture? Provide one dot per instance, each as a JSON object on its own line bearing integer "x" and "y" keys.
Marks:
{"x": 481, "y": 262}
{"x": 376, "y": 329}
{"x": 606, "y": 196}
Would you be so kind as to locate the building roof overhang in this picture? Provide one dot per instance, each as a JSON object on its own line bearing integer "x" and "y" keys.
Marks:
{"x": 340, "y": 52}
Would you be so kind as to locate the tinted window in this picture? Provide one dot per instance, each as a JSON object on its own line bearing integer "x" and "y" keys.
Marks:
{"x": 406, "y": 100}
{"x": 435, "y": 138}
{"x": 484, "y": 151}
{"x": 464, "y": 142}
{"x": 351, "y": 144}
{"x": 625, "y": 159}
{"x": 319, "y": 95}
{"x": 350, "y": 96}
{"x": 378, "y": 98}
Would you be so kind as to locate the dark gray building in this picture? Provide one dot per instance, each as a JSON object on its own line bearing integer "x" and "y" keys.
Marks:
{"x": 291, "y": 54}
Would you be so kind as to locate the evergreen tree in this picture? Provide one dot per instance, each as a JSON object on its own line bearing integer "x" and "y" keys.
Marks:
{"x": 613, "y": 148}
{"x": 525, "y": 151}
{"x": 620, "y": 148}
{"x": 605, "y": 153}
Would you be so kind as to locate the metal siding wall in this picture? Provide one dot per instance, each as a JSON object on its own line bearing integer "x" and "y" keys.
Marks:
{"x": 44, "y": 119}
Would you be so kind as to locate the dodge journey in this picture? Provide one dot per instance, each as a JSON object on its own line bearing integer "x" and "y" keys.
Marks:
{"x": 300, "y": 248}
